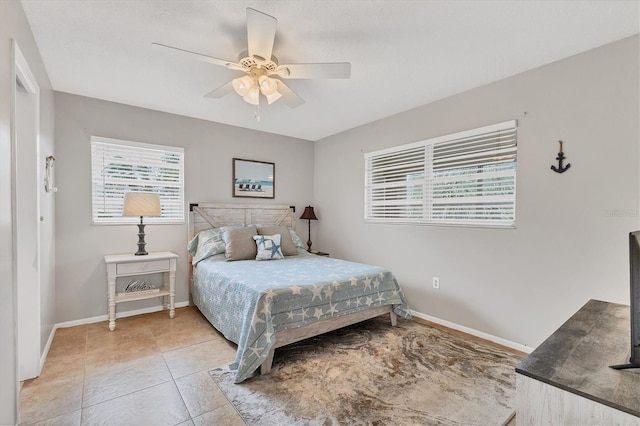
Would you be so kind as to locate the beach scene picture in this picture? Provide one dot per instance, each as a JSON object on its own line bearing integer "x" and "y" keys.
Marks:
{"x": 253, "y": 178}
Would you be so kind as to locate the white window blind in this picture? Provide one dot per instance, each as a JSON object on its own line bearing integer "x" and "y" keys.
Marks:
{"x": 466, "y": 178}
{"x": 118, "y": 167}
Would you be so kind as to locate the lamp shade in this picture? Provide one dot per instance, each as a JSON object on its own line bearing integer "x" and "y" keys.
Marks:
{"x": 308, "y": 214}
{"x": 273, "y": 97}
{"x": 267, "y": 85}
{"x": 253, "y": 95}
{"x": 242, "y": 85}
{"x": 141, "y": 204}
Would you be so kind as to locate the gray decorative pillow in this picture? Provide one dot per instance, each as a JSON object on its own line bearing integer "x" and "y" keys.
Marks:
{"x": 288, "y": 247}
{"x": 268, "y": 247}
{"x": 239, "y": 243}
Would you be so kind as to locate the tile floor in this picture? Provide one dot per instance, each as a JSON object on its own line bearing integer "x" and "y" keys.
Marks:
{"x": 151, "y": 370}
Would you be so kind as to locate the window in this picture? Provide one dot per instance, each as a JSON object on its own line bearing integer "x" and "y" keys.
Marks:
{"x": 467, "y": 178}
{"x": 118, "y": 167}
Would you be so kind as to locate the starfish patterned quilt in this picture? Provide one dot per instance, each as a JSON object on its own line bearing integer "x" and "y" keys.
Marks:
{"x": 249, "y": 300}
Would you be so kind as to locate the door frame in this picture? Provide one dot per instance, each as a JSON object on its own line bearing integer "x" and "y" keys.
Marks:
{"x": 22, "y": 72}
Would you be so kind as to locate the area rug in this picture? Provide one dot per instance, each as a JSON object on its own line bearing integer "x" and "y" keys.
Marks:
{"x": 374, "y": 374}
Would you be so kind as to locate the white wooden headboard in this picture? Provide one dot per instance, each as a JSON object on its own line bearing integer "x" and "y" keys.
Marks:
{"x": 212, "y": 215}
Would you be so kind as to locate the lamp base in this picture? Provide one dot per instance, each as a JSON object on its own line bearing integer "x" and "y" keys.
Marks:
{"x": 141, "y": 243}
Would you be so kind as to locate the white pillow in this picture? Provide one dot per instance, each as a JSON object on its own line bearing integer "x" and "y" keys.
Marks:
{"x": 268, "y": 247}
{"x": 286, "y": 242}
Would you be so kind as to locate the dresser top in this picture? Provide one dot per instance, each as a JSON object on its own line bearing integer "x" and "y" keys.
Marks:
{"x": 576, "y": 358}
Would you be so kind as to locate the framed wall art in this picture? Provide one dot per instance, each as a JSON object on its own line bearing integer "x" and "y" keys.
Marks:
{"x": 253, "y": 179}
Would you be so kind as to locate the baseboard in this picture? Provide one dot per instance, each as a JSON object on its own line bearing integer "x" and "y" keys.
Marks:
{"x": 445, "y": 323}
{"x": 43, "y": 358}
{"x": 473, "y": 332}
{"x": 118, "y": 315}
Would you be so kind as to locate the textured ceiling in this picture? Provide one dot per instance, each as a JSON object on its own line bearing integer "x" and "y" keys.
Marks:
{"x": 403, "y": 53}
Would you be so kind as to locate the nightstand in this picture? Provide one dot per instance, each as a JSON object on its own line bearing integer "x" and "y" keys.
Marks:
{"x": 126, "y": 265}
{"x": 320, "y": 253}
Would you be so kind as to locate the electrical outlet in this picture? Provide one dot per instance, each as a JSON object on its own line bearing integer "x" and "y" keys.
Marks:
{"x": 436, "y": 282}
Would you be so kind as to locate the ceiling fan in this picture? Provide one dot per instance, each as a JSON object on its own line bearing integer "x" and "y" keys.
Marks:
{"x": 262, "y": 73}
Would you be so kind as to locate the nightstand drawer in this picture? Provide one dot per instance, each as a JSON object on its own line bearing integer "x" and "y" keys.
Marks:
{"x": 143, "y": 267}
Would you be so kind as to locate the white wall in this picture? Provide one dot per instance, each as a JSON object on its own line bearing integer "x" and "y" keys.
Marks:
{"x": 570, "y": 244}
{"x": 14, "y": 25}
{"x": 209, "y": 148}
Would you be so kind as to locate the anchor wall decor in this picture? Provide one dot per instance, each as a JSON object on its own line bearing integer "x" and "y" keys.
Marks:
{"x": 560, "y": 158}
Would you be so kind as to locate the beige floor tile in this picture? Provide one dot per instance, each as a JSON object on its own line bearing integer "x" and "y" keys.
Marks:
{"x": 62, "y": 365}
{"x": 69, "y": 419}
{"x": 127, "y": 376}
{"x": 157, "y": 405}
{"x": 66, "y": 335}
{"x": 119, "y": 353}
{"x": 69, "y": 341}
{"x": 225, "y": 415}
{"x": 199, "y": 357}
{"x": 31, "y": 382}
{"x": 173, "y": 341}
{"x": 186, "y": 330}
{"x": 144, "y": 320}
{"x": 107, "y": 382}
{"x": 138, "y": 320}
{"x": 199, "y": 393}
{"x": 41, "y": 400}
{"x": 183, "y": 316}
{"x": 121, "y": 338}
{"x": 161, "y": 319}
{"x": 126, "y": 343}
{"x": 100, "y": 325}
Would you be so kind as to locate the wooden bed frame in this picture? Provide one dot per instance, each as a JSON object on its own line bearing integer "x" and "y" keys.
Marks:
{"x": 211, "y": 215}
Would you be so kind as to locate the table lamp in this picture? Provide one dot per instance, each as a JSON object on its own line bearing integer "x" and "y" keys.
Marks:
{"x": 141, "y": 204}
{"x": 309, "y": 215}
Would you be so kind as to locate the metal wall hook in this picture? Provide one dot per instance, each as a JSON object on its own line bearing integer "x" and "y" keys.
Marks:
{"x": 48, "y": 174}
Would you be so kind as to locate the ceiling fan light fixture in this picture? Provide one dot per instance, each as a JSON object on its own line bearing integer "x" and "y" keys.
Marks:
{"x": 259, "y": 63}
{"x": 267, "y": 85}
{"x": 273, "y": 97}
{"x": 242, "y": 85}
{"x": 252, "y": 96}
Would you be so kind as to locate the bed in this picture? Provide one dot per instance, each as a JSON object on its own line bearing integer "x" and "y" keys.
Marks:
{"x": 263, "y": 305}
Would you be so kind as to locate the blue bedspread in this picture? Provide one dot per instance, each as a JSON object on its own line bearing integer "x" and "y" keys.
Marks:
{"x": 249, "y": 300}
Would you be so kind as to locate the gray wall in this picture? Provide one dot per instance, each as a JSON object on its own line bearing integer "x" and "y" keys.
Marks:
{"x": 570, "y": 244}
{"x": 14, "y": 25}
{"x": 209, "y": 148}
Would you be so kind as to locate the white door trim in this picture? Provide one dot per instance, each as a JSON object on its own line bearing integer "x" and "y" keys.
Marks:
{"x": 28, "y": 319}
{"x": 23, "y": 72}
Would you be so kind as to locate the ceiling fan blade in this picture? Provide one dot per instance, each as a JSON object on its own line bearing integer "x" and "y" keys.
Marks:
{"x": 181, "y": 53}
{"x": 220, "y": 91}
{"x": 289, "y": 97}
{"x": 261, "y": 33}
{"x": 327, "y": 70}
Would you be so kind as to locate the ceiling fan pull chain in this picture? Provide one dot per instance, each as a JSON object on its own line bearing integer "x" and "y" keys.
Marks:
{"x": 256, "y": 113}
